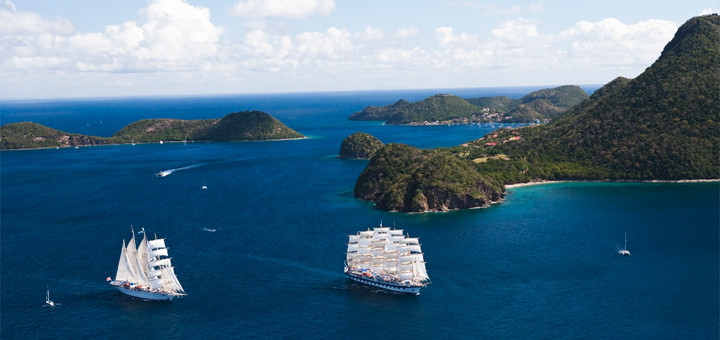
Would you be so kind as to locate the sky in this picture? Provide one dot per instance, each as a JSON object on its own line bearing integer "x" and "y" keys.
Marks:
{"x": 99, "y": 48}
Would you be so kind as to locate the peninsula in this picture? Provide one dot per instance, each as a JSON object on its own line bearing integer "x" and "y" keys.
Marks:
{"x": 539, "y": 106}
{"x": 662, "y": 125}
{"x": 238, "y": 126}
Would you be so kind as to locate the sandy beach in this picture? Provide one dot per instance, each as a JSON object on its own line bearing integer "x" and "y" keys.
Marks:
{"x": 517, "y": 185}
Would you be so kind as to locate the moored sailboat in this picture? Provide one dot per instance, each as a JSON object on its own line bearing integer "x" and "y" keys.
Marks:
{"x": 387, "y": 259}
{"x": 146, "y": 272}
{"x": 624, "y": 251}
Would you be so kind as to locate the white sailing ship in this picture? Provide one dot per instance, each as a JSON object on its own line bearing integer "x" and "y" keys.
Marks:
{"x": 146, "y": 272}
{"x": 387, "y": 259}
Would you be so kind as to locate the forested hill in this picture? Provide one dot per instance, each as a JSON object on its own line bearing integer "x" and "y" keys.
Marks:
{"x": 662, "y": 125}
{"x": 238, "y": 126}
{"x": 542, "y": 105}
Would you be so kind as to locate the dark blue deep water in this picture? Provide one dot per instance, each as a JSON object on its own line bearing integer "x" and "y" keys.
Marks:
{"x": 543, "y": 264}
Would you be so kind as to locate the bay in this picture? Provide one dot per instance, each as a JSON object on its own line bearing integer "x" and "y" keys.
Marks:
{"x": 541, "y": 264}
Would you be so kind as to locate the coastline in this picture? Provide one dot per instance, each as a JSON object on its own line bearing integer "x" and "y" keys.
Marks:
{"x": 517, "y": 185}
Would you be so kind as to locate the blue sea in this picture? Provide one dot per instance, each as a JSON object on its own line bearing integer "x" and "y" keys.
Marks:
{"x": 542, "y": 264}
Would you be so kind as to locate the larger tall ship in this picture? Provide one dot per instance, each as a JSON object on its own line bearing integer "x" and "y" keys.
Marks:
{"x": 387, "y": 259}
{"x": 145, "y": 271}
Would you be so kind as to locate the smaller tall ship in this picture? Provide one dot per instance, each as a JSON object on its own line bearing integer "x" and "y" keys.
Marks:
{"x": 387, "y": 259}
{"x": 145, "y": 271}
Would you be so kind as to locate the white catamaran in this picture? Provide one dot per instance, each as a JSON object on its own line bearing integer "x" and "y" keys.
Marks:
{"x": 146, "y": 272}
{"x": 387, "y": 259}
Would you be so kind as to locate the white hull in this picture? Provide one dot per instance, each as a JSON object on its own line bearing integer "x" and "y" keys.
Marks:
{"x": 386, "y": 285}
{"x": 155, "y": 296}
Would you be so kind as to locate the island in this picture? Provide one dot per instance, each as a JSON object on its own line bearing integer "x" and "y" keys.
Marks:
{"x": 359, "y": 145}
{"x": 238, "y": 126}
{"x": 539, "y": 106}
{"x": 661, "y": 125}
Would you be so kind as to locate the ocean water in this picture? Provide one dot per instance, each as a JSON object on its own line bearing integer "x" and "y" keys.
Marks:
{"x": 542, "y": 264}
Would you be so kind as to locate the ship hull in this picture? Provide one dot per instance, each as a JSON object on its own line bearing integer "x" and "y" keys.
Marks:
{"x": 415, "y": 290}
{"x": 154, "y": 296}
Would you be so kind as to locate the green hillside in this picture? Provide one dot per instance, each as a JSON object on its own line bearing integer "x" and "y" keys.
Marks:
{"x": 662, "y": 125}
{"x": 540, "y": 105}
{"x": 27, "y": 135}
{"x": 239, "y": 126}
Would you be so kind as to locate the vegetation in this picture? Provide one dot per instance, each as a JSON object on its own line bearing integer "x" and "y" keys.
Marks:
{"x": 26, "y": 135}
{"x": 403, "y": 178}
{"x": 239, "y": 126}
{"x": 541, "y": 105}
{"x": 662, "y": 125}
{"x": 359, "y": 145}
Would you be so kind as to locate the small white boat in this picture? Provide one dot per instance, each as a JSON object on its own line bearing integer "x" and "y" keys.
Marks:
{"x": 163, "y": 173}
{"x": 624, "y": 251}
{"x": 48, "y": 302}
{"x": 204, "y": 187}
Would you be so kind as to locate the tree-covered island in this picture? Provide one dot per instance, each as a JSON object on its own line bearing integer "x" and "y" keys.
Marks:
{"x": 539, "y": 106}
{"x": 662, "y": 125}
{"x": 238, "y": 126}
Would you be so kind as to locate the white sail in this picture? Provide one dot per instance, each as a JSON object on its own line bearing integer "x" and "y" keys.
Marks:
{"x": 159, "y": 263}
{"x": 364, "y": 242}
{"x": 124, "y": 271}
{"x": 353, "y": 238}
{"x": 419, "y": 268}
{"x": 158, "y": 252}
{"x": 410, "y": 240}
{"x": 410, "y": 248}
{"x": 405, "y": 276}
{"x": 132, "y": 253}
{"x": 396, "y": 232}
{"x": 142, "y": 262}
{"x": 155, "y": 244}
{"x": 366, "y": 233}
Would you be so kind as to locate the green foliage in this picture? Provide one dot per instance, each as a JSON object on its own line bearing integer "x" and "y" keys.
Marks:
{"x": 439, "y": 107}
{"x": 247, "y": 125}
{"x": 27, "y": 135}
{"x": 155, "y": 130}
{"x": 359, "y": 145}
{"x": 380, "y": 112}
{"x": 404, "y": 178}
{"x": 662, "y": 125}
{"x": 239, "y": 126}
{"x": 539, "y": 105}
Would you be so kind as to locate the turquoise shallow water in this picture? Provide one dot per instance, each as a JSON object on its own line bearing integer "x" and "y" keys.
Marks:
{"x": 542, "y": 264}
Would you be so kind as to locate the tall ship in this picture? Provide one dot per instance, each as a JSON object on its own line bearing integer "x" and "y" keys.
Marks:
{"x": 387, "y": 259}
{"x": 145, "y": 271}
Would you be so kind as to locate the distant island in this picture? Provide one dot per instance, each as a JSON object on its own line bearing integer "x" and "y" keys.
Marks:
{"x": 539, "y": 106}
{"x": 238, "y": 126}
{"x": 359, "y": 145}
{"x": 662, "y": 125}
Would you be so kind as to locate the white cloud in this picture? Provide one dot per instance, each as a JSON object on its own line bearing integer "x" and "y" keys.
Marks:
{"x": 611, "y": 41}
{"x": 445, "y": 36}
{"x": 285, "y": 9}
{"x": 517, "y": 32}
{"x": 409, "y": 32}
{"x": 13, "y": 23}
{"x": 371, "y": 34}
{"x": 172, "y": 35}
